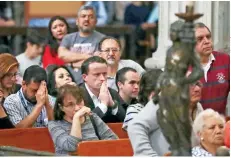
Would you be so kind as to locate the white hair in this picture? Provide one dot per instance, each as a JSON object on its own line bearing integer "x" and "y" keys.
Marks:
{"x": 199, "y": 122}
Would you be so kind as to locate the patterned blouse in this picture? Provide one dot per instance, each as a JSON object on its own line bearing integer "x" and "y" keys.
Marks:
{"x": 198, "y": 151}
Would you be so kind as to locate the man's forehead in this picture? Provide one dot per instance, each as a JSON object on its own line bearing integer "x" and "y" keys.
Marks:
{"x": 34, "y": 85}
{"x": 87, "y": 12}
{"x": 130, "y": 75}
{"x": 109, "y": 43}
{"x": 97, "y": 66}
{"x": 202, "y": 32}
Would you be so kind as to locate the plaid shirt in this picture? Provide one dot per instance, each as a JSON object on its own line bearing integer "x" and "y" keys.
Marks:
{"x": 18, "y": 108}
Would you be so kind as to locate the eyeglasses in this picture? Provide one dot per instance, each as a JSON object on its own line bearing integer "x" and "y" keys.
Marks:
{"x": 114, "y": 50}
{"x": 71, "y": 106}
{"x": 10, "y": 75}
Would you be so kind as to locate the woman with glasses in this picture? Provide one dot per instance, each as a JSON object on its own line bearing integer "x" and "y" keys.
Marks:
{"x": 74, "y": 122}
{"x": 8, "y": 73}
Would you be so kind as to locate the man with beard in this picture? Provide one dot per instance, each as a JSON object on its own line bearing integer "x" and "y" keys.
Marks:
{"x": 30, "y": 106}
{"x": 127, "y": 82}
{"x": 78, "y": 46}
{"x": 110, "y": 50}
{"x": 216, "y": 66}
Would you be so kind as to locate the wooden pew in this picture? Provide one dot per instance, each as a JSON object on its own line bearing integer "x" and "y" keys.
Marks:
{"x": 38, "y": 139}
{"x": 117, "y": 129}
{"x": 120, "y": 147}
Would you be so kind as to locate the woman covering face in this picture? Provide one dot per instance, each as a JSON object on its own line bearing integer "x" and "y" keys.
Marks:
{"x": 209, "y": 127}
{"x": 74, "y": 121}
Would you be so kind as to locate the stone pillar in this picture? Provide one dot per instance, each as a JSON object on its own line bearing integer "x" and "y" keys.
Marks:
{"x": 216, "y": 17}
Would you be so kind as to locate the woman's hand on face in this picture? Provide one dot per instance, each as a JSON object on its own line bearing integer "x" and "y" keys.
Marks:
{"x": 82, "y": 112}
{"x": 72, "y": 83}
{"x": 1, "y": 95}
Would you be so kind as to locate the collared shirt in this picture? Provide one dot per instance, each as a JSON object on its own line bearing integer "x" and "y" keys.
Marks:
{"x": 98, "y": 103}
{"x": 208, "y": 65}
{"x": 124, "y": 63}
{"x": 18, "y": 108}
{"x": 198, "y": 151}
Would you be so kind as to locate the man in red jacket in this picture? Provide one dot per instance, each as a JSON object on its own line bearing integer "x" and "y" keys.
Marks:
{"x": 216, "y": 66}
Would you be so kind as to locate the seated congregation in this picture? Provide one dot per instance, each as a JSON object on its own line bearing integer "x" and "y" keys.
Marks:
{"x": 84, "y": 97}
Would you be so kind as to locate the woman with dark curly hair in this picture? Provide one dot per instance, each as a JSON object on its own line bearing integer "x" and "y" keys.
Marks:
{"x": 57, "y": 77}
{"x": 58, "y": 28}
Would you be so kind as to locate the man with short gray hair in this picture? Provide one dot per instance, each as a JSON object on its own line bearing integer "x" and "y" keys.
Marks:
{"x": 78, "y": 46}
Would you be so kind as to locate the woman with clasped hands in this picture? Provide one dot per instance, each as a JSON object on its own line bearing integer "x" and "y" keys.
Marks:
{"x": 74, "y": 122}
{"x": 209, "y": 127}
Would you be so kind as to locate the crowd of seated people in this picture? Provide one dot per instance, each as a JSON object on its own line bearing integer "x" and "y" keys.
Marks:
{"x": 82, "y": 84}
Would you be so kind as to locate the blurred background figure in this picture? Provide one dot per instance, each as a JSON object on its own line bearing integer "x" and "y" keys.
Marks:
{"x": 6, "y": 20}
{"x": 32, "y": 55}
{"x": 101, "y": 14}
{"x": 145, "y": 20}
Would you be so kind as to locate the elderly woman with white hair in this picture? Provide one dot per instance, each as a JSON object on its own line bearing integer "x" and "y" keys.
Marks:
{"x": 209, "y": 128}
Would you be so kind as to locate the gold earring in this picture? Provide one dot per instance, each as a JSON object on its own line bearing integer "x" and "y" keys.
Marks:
{"x": 202, "y": 138}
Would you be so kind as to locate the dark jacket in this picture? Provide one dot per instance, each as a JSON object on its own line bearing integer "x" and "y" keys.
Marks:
{"x": 108, "y": 117}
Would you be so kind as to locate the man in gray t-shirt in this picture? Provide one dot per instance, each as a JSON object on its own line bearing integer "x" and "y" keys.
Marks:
{"x": 78, "y": 46}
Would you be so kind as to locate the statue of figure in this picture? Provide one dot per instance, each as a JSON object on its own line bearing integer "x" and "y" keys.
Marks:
{"x": 173, "y": 90}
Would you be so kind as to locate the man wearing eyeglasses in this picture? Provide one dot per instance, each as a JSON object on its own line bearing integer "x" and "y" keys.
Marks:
{"x": 216, "y": 66}
{"x": 110, "y": 50}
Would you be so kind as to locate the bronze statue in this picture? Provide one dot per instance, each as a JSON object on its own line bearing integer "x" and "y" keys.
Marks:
{"x": 173, "y": 88}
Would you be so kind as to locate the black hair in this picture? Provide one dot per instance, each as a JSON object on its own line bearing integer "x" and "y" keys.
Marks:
{"x": 120, "y": 75}
{"x": 5, "y": 49}
{"x": 34, "y": 73}
{"x": 34, "y": 37}
{"x": 52, "y": 41}
{"x": 148, "y": 83}
{"x": 106, "y": 38}
{"x": 75, "y": 91}
{"x": 94, "y": 59}
{"x": 52, "y": 90}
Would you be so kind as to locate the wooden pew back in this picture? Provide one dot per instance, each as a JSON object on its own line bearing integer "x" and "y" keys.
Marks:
{"x": 117, "y": 129}
{"x": 120, "y": 147}
{"x": 38, "y": 139}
